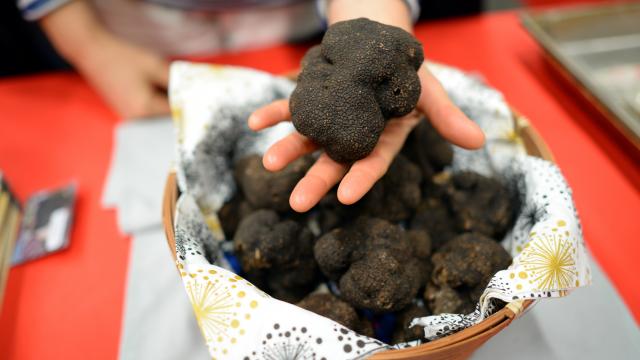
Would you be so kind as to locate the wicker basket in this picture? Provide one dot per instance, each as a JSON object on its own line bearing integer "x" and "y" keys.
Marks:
{"x": 456, "y": 346}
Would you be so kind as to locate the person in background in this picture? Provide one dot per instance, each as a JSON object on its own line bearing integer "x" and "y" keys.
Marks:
{"x": 119, "y": 46}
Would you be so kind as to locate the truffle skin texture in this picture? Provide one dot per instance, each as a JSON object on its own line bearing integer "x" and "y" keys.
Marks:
{"x": 433, "y": 216}
{"x": 278, "y": 254}
{"x": 263, "y": 241}
{"x": 462, "y": 269}
{"x": 380, "y": 282}
{"x": 430, "y": 151}
{"x": 331, "y": 307}
{"x": 445, "y": 300}
{"x": 332, "y": 213}
{"x": 362, "y": 74}
{"x": 266, "y": 189}
{"x": 232, "y": 212}
{"x": 377, "y": 265}
{"x": 397, "y": 194}
{"x": 402, "y": 332}
{"x": 394, "y": 198}
{"x": 481, "y": 204}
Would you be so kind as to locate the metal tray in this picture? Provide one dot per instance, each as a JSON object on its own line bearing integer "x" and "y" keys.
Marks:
{"x": 599, "y": 47}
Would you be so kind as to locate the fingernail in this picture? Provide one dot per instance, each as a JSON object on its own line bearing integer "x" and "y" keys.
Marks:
{"x": 252, "y": 121}
{"x": 345, "y": 194}
{"x": 298, "y": 201}
{"x": 269, "y": 161}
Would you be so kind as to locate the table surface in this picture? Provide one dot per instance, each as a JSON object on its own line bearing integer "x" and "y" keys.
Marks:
{"x": 55, "y": 129}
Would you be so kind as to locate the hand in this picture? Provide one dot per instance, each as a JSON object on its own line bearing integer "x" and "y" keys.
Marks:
{"x": 131, "y": 79}
{"x": 356, "y": 180}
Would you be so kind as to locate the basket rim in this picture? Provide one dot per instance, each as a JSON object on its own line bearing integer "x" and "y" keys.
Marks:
{"x": 478, "y": 333}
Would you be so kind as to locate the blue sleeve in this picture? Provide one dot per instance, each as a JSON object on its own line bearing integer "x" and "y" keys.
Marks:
{"x": 35, "y": 9}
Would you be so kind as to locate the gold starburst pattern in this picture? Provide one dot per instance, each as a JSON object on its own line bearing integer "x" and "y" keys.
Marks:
{"x": 213, "y": 306}
{"x": 549, "y": 259}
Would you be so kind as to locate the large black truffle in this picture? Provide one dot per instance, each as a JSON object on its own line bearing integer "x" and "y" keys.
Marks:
{"x": 403, "y": 332}
{"x": 462, "y": 269}
{"x": 428, "y": 149}
{"x": 397, "y": 194}
{"x": 232, "y": 212}
{"x": 264, "y": 189}
{"x": 394, "y": 198}
{"x": 362, "y": 74}
{"x": 481, "y": 204}
{"x": 434, "y": 217}
{"x": 377, "y": 265}
{"x": 277, "y": 253}
{"x": 329, "y": 306}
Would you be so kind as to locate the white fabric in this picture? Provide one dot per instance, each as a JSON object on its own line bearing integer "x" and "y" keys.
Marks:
{"x": 158, "y": 321}
{"x": 568, "y": 328}
{"x": 135, "y": 183}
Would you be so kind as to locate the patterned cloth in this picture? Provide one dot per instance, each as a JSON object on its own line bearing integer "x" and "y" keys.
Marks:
{"x": 210, "y": 106}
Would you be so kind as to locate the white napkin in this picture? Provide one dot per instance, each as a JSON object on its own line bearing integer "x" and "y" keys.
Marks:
{"x": 569, "y": 328}
{"x": 143, "y": 152}
{"x": 158, "y": 321}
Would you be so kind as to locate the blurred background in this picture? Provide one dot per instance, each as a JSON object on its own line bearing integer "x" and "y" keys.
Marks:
{"x": 28, "y": 50}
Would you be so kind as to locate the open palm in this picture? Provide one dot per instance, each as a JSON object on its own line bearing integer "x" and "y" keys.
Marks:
{"x": 358, "y": 178}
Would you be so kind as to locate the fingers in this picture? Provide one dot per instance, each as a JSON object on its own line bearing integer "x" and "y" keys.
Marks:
{"x": 364, "y": 173}
{"x": 446, "y": 118}
{"x": 270, "y": 115}
{"x": 286, "y": 150}
{"x": 320, "y": 178}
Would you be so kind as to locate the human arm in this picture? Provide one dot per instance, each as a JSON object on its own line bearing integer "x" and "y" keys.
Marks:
{"x": 131, "y": 79}
{"x": 357, "y": 179}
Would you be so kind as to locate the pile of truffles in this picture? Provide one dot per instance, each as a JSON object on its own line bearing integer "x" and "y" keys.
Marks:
{"x": 423, "y": 241}
{"x": 361, "y": 75}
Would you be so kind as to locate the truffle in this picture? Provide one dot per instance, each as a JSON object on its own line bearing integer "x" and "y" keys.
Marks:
{"x": 277, "y": 252}
{"x": 397, "y": 194}
{"x": 264, "y": 189}
{"x": 394, "y": 198}
{"x": 331, "y": 213}
{"x": 402, "y": 332}
{"x": 430, "y": 151}
{"x": 232, "y": 212}
{"x": 377, "y": 265}
{"x": 361, "y": 75}
{"x": 331, "y": 307}
{"x": 462, "y": 269}
{"x": 481, "y": 204}
{"x": 445, "y": 300}
{"x": 433, "y": 216}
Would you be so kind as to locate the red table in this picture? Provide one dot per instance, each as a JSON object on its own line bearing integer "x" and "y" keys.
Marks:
{"x": 54, "y": 129}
